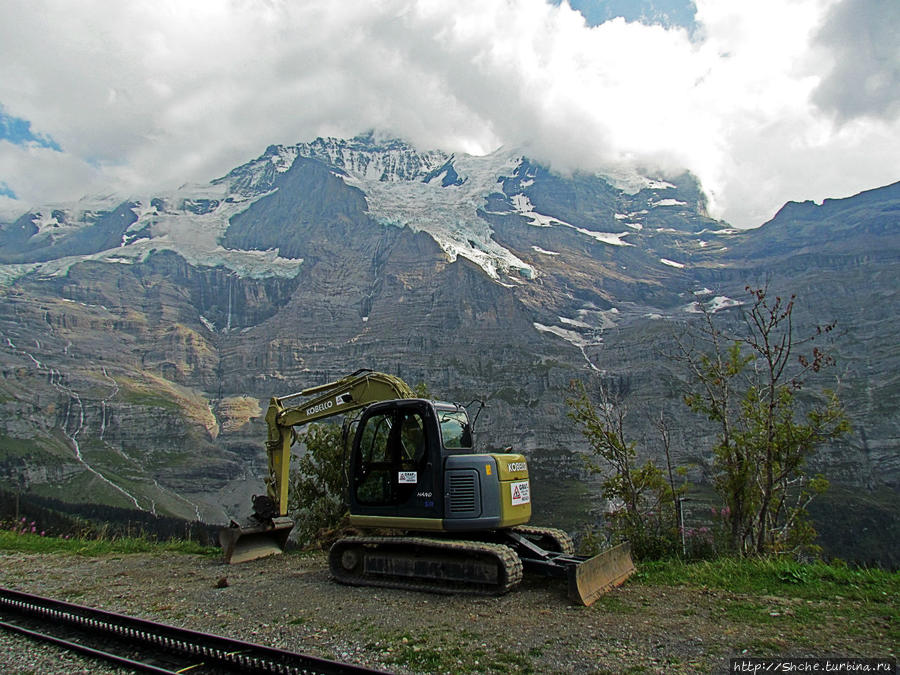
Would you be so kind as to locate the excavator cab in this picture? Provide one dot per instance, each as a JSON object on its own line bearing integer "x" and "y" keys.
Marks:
{"x": 413, "y": 467}
{"x": 392, "y": 461}
{"x": 462, "y": 516}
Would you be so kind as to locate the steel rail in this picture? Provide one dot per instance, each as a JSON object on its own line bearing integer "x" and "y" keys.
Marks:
{"x": 85, "y": 649}
{"x": 191, "y": 651}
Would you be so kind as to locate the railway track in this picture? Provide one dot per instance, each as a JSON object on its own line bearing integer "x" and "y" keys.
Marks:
{"x": 148, "y": 646}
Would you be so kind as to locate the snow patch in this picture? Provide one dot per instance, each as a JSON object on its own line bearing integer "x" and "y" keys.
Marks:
{"x": 606, "y": 237}
{"x": 671, "y": 263}
{"x": 629, "y": 181}
{"x": 723, "y": 302}
{"x": 540, "y": 250}
{"x": 44, "y": 223}
{"x": 717, "y": 304}
{"x": 391, "y": 176}
{"x": 284, "y": 159}
{"x": 525, "y": 208}
{"x": 195, "y": 237}
{"x": 568, "y": 335}
{"x": 628, "y": 220}
{"x": 574, "y": 322}
{"x": 598, "y": 319}
{"x": 448, "y": 214}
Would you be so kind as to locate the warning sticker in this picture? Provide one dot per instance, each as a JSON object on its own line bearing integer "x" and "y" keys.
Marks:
{"x": 520, "y": 493}
{"x": 407, "y": 478}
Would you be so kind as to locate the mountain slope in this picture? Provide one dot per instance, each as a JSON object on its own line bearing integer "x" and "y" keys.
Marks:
{"x": 140, "y": 340}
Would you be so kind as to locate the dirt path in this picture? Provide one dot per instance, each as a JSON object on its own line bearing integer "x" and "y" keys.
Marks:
{"x": 289, "y": 602}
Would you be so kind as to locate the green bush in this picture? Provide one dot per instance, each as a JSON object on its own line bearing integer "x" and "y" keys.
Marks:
{"x": 316, "y": 501}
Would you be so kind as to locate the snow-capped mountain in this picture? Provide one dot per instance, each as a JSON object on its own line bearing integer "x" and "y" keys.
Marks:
{"x": 451, "y": 198}
{"x": 461, "y": 202}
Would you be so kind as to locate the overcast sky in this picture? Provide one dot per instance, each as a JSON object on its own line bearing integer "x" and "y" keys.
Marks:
{"x": 764, "y": 100}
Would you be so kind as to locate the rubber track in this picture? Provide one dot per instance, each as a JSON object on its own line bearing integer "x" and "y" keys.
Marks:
{"x": 561, "y": 539}
{"x": 504, "y": 555}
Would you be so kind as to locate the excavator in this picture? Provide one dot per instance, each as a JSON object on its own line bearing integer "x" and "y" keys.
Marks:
{"x": 434, "y": 515}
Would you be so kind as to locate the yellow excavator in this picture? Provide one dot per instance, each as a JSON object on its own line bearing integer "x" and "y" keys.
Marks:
{"x": 456, "y": 521}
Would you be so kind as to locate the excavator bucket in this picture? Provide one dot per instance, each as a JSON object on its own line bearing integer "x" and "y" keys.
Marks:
{"x": 595, "y": 576}
{"x": 243, "y": 543}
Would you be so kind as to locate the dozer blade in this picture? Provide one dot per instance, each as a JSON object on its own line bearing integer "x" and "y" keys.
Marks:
{"x": 595, "y": 576}
{"x": 240, "y": 544}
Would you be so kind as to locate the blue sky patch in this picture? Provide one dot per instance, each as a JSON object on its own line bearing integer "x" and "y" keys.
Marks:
{"x": 6, "y": 191}
{"x": 18, "y": 131}
{"x": 664, "y": 12}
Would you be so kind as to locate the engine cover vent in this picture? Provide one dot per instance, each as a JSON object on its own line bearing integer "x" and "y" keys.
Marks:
{"x": 463, "y": 495}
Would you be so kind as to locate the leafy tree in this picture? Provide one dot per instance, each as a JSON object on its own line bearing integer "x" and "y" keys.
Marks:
{"x": 317, "y": 496}
{"x": 316, "y": 501}
{"x": 747, "y": 386}
{"x": 644, "y": 503}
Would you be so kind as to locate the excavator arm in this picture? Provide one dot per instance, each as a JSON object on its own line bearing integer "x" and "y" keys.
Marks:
{"x": 335, "y": 398}
{"x": 267, "y": 530}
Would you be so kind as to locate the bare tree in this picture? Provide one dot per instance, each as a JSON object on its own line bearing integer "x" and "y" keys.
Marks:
{"x": 747, "y": 385}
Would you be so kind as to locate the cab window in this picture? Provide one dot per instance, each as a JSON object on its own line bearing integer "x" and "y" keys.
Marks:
{"x": 455, "y": 430}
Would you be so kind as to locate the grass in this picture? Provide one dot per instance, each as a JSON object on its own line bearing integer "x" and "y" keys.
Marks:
{"x": 90, "y": 488}
{"x": 772, "y": 576}
{"x": 34, "y": 543}
{"x": 45, "y": 449}
{"x": 141, "y": 393}
{"x": 788, "y": 598}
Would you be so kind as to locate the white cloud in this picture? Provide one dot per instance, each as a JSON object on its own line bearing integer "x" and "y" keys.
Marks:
{"x": 859, "y": 40}
{"x": 146, "y": 95}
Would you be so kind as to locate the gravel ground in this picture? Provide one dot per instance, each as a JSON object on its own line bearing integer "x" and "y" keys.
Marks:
{"x": 289, "y": 602}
